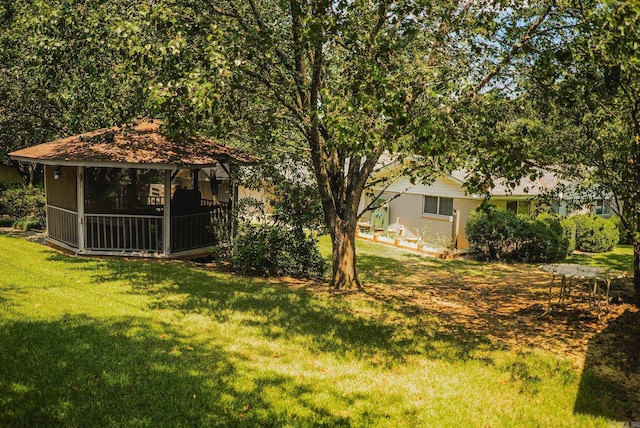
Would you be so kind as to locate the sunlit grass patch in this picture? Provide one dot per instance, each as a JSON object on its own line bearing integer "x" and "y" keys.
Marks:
{"x": 620, "y": 258}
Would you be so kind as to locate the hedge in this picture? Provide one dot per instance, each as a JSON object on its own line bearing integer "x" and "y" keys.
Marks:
{"x": 503, "y": 235}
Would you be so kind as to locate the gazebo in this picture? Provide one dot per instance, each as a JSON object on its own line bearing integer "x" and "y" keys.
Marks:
{"x": 130, "y": 191}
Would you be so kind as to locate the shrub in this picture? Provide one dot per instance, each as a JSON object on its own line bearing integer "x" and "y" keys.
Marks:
{"x": 622, "y": 231}
{"x": 27, "y": 224}
{"x": 503, "y": 235}
{"x": 595, "y": 234}
{"x": 23, "y": 202}
{"x": 565, "y": 227}
{"x": 274, "y": 250}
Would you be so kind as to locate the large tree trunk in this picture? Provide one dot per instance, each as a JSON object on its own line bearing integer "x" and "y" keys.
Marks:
{"x": 343, "y": 257}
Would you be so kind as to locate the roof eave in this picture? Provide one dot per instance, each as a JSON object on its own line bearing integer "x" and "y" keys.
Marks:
{"x": 114, "y": 164}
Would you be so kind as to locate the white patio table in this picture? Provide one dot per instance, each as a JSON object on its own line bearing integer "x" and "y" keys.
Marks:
{"x": 598, "y": 281}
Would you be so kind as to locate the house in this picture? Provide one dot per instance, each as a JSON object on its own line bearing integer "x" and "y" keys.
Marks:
{"x": 129, "y": 191}
{"x": 437, "y": 213}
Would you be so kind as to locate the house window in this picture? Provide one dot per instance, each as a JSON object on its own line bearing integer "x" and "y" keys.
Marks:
{"x": 518, "y": 207}
{"x": 602, "y": 209}
{"x": 437, "y": 205}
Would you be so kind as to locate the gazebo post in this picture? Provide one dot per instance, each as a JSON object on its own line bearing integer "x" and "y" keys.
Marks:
{"x": 233, "y": 203}
{"x": 80, "y": 204}
{"x": 166, "y": 220}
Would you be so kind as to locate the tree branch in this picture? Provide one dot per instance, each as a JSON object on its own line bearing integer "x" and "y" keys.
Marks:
{"x": 515, "y": 48}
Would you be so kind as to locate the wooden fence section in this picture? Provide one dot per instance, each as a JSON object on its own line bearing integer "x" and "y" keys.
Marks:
{"x": 62, "y": 225}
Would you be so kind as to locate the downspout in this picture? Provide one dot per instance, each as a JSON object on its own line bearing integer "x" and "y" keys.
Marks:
{"x": 455, "y": 229}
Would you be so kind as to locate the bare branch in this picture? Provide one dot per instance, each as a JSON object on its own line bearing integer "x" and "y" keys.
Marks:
{"x": 382, "y": 16}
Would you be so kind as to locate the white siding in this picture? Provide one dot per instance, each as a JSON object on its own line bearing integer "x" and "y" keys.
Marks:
{"x": 406, "y": 209}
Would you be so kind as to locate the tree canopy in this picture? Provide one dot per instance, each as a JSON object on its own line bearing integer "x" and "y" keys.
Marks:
{"x": 342, "y": 82}
{"x": 575, "y": 111}
{"x": 330, "y": 84}
{"x": 58, "y": 72}
{"x": 590, "y": 92}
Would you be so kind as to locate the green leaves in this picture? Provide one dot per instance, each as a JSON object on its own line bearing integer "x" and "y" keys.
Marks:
{"x": 59, "y": 74}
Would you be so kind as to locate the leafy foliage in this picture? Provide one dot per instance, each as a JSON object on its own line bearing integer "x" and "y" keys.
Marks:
{"x": 588, "y": 93}
{"x": 27, "y": 224}
{"x": 268, "y": 245}
{"x": 595, "y": 234}
{"x": 503, "y": 235}
{"x": 622, "y": 232}
{"x": 564, "y": 227}
{"x": 60, "y": 74}
{"x": 289, "y": 191}
{"x": 275, "y": 250}
{"x": 21, "y": 203}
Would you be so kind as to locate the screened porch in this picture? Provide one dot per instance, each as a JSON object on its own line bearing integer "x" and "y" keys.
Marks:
{"x": 129, "y": 190}
{"x": 123, "y": 210}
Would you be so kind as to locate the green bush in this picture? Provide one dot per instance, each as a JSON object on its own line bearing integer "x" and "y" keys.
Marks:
{"x": 595, "y": 234}
{"x": 27, "y": 224}
{"x": 622, "y": 232}
{"x": 274, "y": 250}
{"x": 503, "y": 235}
{"x": 23, "y": 202}
{"x": 565, "y": 227}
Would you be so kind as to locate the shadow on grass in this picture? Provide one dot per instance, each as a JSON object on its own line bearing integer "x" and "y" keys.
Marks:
{"x": 279, "y": 312}
{"x": 388, "y": 270}
{"x": 608, "y": 386}
{"x": 78, "y": 371}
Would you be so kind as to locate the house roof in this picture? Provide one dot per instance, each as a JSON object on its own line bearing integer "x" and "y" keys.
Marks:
{"x": 526, "y": 186}
{"x": 141, "y": 144}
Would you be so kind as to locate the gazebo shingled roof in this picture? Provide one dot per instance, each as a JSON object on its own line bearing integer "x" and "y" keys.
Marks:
{"x": 141, "y": 144}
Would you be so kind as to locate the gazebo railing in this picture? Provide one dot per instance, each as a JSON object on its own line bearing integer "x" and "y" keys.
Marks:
{"x": 122, "y": 203}
{"x": 62, "y": 225}
{"x": 191, "y": 231}
{"x": 123, "y": 232}
{"x": 131, "y": 233}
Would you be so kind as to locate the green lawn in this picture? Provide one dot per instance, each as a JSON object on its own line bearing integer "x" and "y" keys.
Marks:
{"x": 110, "y": 342}
{"x": 621, "y": 258}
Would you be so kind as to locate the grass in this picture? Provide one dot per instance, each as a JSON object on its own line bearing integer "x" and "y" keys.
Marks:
{"x": 620, "y": 258}
{"x": 111, "y": 342}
